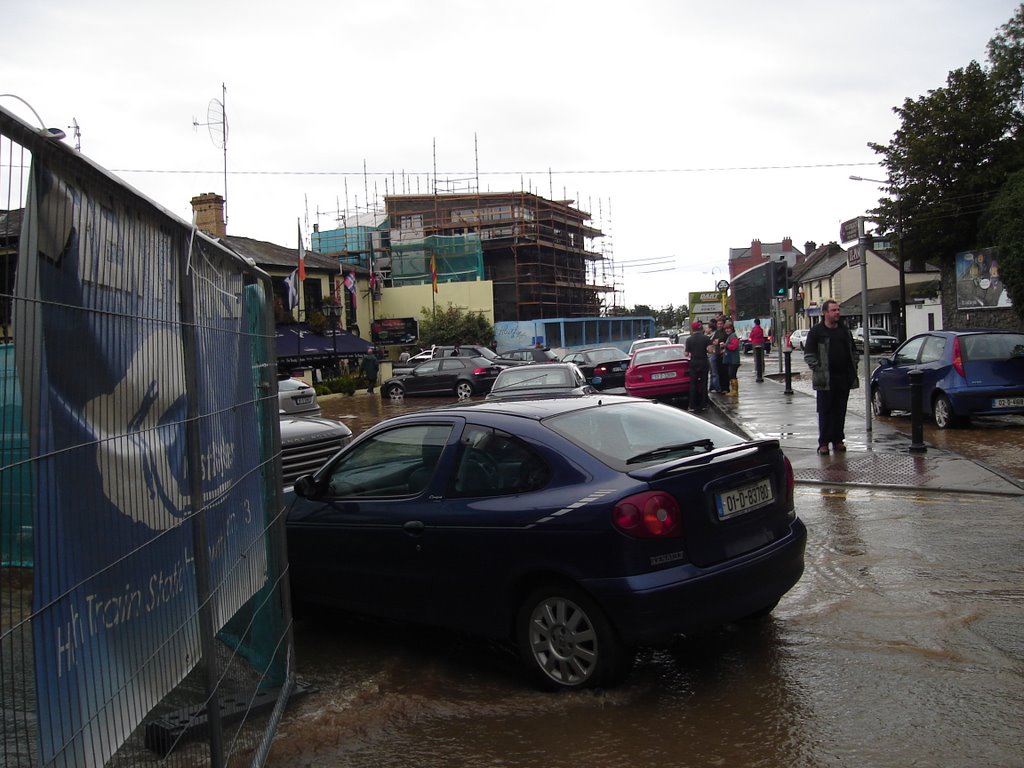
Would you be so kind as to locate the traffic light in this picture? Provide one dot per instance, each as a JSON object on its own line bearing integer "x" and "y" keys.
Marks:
{"x": 779, "y": 278}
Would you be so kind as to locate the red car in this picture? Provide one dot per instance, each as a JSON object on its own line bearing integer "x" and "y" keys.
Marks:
{"x": 661, "y": 372}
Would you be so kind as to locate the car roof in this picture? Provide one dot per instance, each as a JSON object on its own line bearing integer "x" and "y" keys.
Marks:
{"x": 530, "y": 409}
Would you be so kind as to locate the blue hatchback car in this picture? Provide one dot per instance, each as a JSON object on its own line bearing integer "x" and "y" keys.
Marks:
{"x": 964, "y": 373}
{"x": 575, "y": 528}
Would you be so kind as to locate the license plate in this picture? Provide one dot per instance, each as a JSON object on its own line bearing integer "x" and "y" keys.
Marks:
{"x": 663, "y": 375}
{"x": 1008, "y": 402}
{"x": 304, "y": 400}
{"x": 618, "y": 368}
{"x": 744, "y": 499}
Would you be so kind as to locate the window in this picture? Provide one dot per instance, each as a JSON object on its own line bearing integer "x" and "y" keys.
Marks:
{"x": 908, "y": 354}
{"x": 934, "y": 346}
{"x": 398, "y": 462}
{"x": 494, "y": 463}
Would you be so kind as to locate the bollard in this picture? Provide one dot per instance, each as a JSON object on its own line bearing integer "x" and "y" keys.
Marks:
{"x": 916, "y": 414}
{"x": 759, "y": 363}
{"x": 787, "y": 354}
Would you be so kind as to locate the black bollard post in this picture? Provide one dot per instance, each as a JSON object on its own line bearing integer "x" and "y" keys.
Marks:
{"x": 759, "y": 363}
{"x": 916, "y": 414}
{"x": 789, "y": 372}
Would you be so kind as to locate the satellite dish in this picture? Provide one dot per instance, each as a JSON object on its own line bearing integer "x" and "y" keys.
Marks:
{"x": 217, "y": 122}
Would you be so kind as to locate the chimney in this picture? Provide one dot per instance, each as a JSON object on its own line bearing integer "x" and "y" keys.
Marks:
{"x": 810, "y": 247}
{"x": 209, "y": 212}
{"x": 755, "y": 249}
{"x": 787, "y": 244}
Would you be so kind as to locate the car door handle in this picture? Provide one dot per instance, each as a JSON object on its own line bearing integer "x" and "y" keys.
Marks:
{"x": 414, "y": 527}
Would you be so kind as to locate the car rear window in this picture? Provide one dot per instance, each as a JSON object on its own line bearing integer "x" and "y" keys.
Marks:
{"x": 616, "y": 433}
{"x": 995, "y": 346}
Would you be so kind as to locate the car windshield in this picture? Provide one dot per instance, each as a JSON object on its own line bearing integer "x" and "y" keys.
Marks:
{"x": 626, "y": 435}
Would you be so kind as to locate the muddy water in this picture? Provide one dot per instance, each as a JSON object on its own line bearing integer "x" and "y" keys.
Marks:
{"x": 900, "y": 646}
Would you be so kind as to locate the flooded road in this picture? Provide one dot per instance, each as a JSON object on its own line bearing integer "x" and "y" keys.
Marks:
{"x": 902, "y": 645}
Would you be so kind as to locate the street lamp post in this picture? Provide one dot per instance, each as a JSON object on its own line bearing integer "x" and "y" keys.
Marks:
{"x": 901, "y": 332}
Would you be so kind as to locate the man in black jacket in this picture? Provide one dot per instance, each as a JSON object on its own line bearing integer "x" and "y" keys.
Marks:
{"x": 697, "y": 348}
{"x": 832, "y": 357}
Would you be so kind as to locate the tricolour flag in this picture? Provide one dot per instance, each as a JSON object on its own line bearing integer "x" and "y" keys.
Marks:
{"x": 291, "y": 284}
{"x": 302, "y": 256}
{"x": 433, "y": 272}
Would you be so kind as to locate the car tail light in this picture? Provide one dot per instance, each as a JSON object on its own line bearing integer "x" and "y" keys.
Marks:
{"x": 482, "y": 371}
{"x": 958, "y": 360}
{"x": 649, "y": 515}
{"x": 600, "y": 370}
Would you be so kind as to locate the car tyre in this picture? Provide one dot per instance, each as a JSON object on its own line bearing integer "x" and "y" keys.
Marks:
{"x": 878, "y": 406}
{"x": 394, "y": 392}
{"x": 942, "y": 413}
{"x": 464, "y": 390}
{"x": 567, "y": 643}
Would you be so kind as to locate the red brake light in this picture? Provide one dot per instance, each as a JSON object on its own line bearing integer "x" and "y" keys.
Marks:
{"x": 649, "y": 515}
{"x": 482, "y": 371}
{"x": 958, "y": 360}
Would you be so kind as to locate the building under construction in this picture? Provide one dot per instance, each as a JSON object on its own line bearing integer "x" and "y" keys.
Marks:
{"x": 537, "y": 252}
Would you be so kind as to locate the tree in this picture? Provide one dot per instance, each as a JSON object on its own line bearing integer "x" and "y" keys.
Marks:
{"x": 1003, "y": 223}
{"x": 949, "y": 157}
{"x": 453, "y": 326}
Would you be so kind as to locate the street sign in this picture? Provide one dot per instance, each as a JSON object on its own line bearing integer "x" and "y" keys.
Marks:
{"x": 854, "y": 254}
{"x": 851, "y": 230}
{"x": 723, "y": 285}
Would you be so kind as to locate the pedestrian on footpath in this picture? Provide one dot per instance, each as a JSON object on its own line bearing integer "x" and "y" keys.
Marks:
{"x": 697, "y": 344}
{"x": 730, "y": 360}
{"x": 370, "y": 366}
{"x": 718, "y": 337}
{"x": 831, "y": 355}
{"x": 757, "y": 342}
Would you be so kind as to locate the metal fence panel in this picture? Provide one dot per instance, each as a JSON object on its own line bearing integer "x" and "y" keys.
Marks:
{"x": 144, "y": 602}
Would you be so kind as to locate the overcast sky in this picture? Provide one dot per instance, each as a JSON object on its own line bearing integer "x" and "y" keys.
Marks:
{"x": 685, "y": 128}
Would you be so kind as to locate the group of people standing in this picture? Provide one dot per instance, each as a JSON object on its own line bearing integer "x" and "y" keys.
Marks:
{"x": 714, "y": 351}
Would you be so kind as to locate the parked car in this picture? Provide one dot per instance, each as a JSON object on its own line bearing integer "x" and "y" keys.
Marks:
{"x": 661, "y": 372}
{"x": 963, "y": 373}
{"x": 576, "y": 529}
{"x": 294, "y": 396}
{"x": 461, "y": 376}
{"x": 540, "y": 380}
{"x": 797, "y": 337}
{"x": 879, "y": 340}
{"x": 307, "y": 442}
{"x": 654, "y": 341}
{"x": 603, "y": 367}
{"x": 531, "y": 355}
{"x": 748, "y": 348}
{"x": 465, "y": 350}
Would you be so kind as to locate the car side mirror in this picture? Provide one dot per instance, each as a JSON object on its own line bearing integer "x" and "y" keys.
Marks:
{"x": 304, "y": 487}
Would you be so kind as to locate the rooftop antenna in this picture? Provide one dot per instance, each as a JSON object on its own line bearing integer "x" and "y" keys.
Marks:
{"x": 217, "y": 123}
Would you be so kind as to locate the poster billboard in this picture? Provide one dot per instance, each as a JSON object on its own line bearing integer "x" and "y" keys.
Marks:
{"x": 978, "y": 283}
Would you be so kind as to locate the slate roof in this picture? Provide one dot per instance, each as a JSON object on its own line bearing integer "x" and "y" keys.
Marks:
{"x": 277, "y": 256}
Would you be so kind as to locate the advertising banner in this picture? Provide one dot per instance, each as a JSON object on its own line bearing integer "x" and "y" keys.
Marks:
{"x": 119, "y": 481}
{"x": 978, "y": 283}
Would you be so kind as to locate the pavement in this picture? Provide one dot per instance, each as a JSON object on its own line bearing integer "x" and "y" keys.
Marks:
{"x": 878, "y": 456}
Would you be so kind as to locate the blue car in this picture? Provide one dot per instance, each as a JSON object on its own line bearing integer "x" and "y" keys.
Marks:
{"x": 964, "y": 373}
{"x": 576, "y": 529}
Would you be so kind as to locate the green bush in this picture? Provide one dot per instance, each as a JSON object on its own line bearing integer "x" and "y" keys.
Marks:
{"x": 347, "y": 384}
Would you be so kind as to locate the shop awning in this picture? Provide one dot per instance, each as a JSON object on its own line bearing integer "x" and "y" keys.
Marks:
{"x": 297, "y": 342}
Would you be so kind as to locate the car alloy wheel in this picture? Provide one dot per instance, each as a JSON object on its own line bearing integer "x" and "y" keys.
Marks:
{"x": 942, "y": 412}
{"x": 464, "y": 390}
{"x": 567, "y": 643}
{"x": 395, "y": 392}
{"x": 877, "y": 404}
